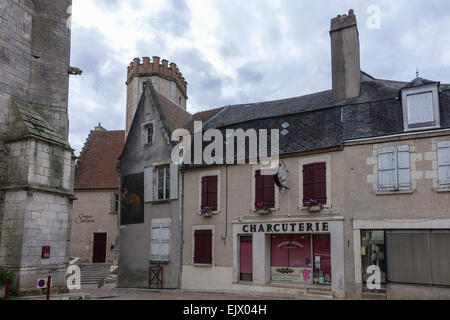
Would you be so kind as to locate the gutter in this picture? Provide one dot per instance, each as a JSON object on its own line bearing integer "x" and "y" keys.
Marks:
{"x": 181, "y": 231}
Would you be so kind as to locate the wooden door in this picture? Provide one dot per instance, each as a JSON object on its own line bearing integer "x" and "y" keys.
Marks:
{"x": 99, "y": 255}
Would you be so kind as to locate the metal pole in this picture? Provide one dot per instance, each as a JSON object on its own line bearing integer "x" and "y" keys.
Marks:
{"x": 49, "y": 282}
{"x": 6, "y": 288}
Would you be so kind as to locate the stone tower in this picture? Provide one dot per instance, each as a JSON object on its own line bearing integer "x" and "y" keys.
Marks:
{"x": 36, "y": 161}
{"x": 166, "y": 79}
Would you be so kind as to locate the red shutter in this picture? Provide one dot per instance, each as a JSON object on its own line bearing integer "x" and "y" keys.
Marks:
{"x": 269, "y": 191}
{"x": 203, "y": 246}
{"x": 204, "y": 192}
{"x": 320, "y": 182}
{"x": 259, "y": 187}
{"x": 308, "y": 182}
{"x": 212, "y": 191}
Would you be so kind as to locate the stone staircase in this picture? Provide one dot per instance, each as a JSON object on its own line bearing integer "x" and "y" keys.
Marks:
{"x": 93, "y": 273}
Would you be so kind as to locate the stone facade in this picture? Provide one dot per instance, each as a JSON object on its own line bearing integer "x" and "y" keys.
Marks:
{"x": 36, "y": 161}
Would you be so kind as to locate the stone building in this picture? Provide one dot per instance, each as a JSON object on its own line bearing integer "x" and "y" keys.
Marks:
{"x": 367, "y": 170}
{"x": 150, "y": 214}
{"x": 95, "y": 210}
{"x": 36, "y": 161}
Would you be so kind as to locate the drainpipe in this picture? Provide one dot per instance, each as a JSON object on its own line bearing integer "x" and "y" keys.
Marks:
{"x": 181, "y": 231}
{"x": 224, "y": 238}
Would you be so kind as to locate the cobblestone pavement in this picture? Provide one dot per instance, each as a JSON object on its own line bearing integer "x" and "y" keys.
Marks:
{"x": 109, "y": 292}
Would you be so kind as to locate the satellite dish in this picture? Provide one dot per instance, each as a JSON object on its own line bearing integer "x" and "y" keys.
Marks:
{"x": 280, "y": 177}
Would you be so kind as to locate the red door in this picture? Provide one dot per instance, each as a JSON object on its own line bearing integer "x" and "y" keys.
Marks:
{"x": 99, "y": 255}
{"x": 246, "y": 259}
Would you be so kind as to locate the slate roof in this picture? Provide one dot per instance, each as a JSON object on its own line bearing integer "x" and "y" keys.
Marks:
{"x": 30, "y": 123}
{"x": 96, "y": 167}
{"x": 417, "y": 82}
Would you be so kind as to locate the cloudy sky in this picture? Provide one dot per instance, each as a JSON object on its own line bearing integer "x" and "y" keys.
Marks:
{"x": 238, "y": 51}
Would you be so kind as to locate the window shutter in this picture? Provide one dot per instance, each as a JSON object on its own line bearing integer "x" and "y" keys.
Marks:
{"x": 148, "y": 184}
{"x": 259, "y": 187}
{"x": 269, "y": 191}
{"x": 444, "y": 164}
{"x": 387, "y": 169}
{"x": 204, "y": 201}
{"x": 404, "y": 172}
{"x": 212, "y": 191}
{"x": 308, "y": 182}
{"x": 160, "y": 242}
{"x": 203, "y": 246}
{"x": 320, "y": 182}
{"x": 173, "y": 181}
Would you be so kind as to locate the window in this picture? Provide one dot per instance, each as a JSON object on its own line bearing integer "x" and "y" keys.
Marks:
{"x": 264, "y": 190}
{"x": 394, "y": 169}
{"x": 114, "y": 203}
{"x": 149, "y": 133}
{"x": 160, "y": 242}
{"x": 444, "y": 164}
{"x": 315, "y": 182}
{"x": 421, "y": 107}
{"x": 209, "y": 193}
{"x": 163, "y": 183}
{"x": 179, "y": 101}
{"x": 203, "y": 246}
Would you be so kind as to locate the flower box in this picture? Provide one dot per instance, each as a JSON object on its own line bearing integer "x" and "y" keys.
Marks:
{"x": 262, "y": 211}
{"x": 208, "y": 211}
{"x": 313, "y": 205}
{"x": 314, "y": 208}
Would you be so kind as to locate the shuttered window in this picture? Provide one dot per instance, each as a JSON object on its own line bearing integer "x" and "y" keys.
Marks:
{"x": 394, "y": 168}
{"x": 203, "y": 246}
{"x": 315, "y": 182}
{"x": 163, "y": 183}
{"x": 209, "y": 192}
{"x": 264, "y": 190}
{"x": 160, "y": 242}
{"x": 444, "y": 164}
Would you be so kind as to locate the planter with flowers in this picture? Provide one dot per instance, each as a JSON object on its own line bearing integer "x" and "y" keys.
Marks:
{"x": 262, "y": 209}
{"x": 208, "y": 211}
{"x": 313, "y": 205}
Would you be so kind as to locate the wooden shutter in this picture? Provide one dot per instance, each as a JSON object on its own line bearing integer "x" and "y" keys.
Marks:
{"x": 203, "y": 246}
{"x": 444, "y": 164}
{"x": 320, "y": 182}
{"x": 404, "y": 172}
{"x": 212, "y": 191}
{"x": 308, "y": 182}
{"x": 387, "y": 169}
{"x": 148, "y": 184}
{"x": 173, "y": 181}
{"x": 269, "y": 191}
{"x": 204, "y": 199}
{"x": 259, "y": 187}
{"x": 160, "y": 242}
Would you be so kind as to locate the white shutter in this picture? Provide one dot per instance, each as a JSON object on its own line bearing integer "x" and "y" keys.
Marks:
{"x": 148, "y": 184}
{"x": 444, "y": 164}
{"x": 173, "y": 181}
{"x": 404, "y": 172}
{"x": 420, "y": 108}
{"x": 387, "y": 169}
{"x": 160, "y": 242}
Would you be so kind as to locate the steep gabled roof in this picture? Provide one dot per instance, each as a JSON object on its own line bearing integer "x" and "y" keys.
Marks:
{"x": 175, "y": 116}
{"x": 96, "y": 168}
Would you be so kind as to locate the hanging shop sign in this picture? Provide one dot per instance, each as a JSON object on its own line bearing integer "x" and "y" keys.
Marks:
{"x": 285, "y": 227}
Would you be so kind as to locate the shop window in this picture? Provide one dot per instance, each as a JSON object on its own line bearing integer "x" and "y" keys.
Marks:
{"x": 209, "y": 193}
{"x": 160, "y": 242}
{"x": 394, "y": 168}
{"x": 444, "y": 164}
{"x": 301, "y": 258}
{"x": 203, "y": 246}
{"x": 315, "y": 182}
{"x": 264, "y": 190}
{"x": 163, "y": 183}
{"x": 373, "y": 252}
{"x": 246, "y": 258}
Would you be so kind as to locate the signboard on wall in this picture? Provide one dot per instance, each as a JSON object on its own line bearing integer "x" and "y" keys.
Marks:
{"x": 300, "y": 275}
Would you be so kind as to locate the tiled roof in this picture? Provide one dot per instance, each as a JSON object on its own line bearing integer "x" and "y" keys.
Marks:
{"x": 96, "y": 168}
{"x": 175, "y": 116}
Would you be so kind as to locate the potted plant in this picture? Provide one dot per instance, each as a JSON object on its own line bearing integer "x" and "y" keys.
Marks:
{"x": 261, "y": 208}
{"x": 3, "y": 276}
{"x": 208, "y": 211}
{"x": 313, "y": 205}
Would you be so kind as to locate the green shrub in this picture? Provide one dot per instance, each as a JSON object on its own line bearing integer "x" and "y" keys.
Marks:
{"x": 5, "y": 274}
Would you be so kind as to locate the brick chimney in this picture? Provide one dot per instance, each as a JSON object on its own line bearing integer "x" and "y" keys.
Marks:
{"x": 345, "y": 57}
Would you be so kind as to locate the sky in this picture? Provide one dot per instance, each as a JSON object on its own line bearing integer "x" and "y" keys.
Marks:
{"x": 238, "y": 51}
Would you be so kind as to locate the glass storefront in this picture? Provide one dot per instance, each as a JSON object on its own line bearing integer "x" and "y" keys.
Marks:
{"x": 301, "y": 258}
{"x": 373, "y": 251}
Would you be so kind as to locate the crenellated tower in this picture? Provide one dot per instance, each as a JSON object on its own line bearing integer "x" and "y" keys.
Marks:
{"x": 166, "y": 78}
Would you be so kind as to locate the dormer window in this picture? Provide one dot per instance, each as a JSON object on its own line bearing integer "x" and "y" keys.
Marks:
{"x": 421, "y": 107}
{"x": 148, "y": 133}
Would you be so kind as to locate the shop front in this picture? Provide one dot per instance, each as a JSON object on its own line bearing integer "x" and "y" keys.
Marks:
{"x": 300, "y": 253}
